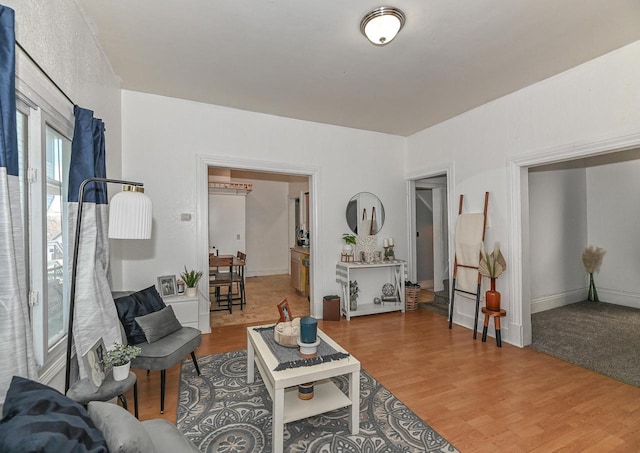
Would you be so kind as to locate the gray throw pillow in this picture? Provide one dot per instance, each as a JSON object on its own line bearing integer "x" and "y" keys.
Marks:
{"x": 159, "y": 324}
{"x": 122, "y": 431}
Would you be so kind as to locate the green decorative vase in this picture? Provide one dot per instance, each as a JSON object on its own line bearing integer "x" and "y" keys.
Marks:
{"x": 593, "y": 293}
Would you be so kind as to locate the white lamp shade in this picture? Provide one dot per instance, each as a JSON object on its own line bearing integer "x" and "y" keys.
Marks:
{"x": 382, "y": 24}
{"x": 130, "y": 215}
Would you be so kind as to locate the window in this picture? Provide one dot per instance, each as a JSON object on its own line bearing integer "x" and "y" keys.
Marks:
{"x": 44, "y": 148}
{"x": 58, "y": 150}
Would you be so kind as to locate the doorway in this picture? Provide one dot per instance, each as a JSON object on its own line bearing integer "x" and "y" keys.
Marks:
{"x": 521, "y": 274}
{"x": 269, "y": 175}
{"x": 429, "y": 239}
{"x": 249, "y": 212}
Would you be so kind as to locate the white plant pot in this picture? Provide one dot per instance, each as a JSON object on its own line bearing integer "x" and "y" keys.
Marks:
{"x": 191, "y": 292}
{"x": 347, "y": 249}
{"x": 120, "y": 373}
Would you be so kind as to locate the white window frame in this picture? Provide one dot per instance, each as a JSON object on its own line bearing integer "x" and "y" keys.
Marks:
{"x": 44, "y": 105}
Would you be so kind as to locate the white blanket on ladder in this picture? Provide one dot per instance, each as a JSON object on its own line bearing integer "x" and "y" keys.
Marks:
{"x": 468, "y": 239}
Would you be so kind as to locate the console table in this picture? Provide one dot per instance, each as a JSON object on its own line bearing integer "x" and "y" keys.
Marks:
{"x": 348, "y": 271}
{"x": 185, "y": 309}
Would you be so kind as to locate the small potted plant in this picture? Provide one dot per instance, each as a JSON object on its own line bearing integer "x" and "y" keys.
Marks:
{"x": 191, "y": 278}
{"x": 119, "y": 357}
{"x": 353, "y": 295}
{"x": 349, "y": 242}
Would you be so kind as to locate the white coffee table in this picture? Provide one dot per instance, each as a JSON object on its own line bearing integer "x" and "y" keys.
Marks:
{"x": 283, "y": 385}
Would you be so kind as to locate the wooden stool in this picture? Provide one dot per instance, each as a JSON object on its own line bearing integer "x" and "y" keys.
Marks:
{"x": 496, "y": 315}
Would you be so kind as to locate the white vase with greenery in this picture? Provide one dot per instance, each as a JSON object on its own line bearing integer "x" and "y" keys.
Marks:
{"x": 119, "y": 357}
{"x": 349, "y": 242}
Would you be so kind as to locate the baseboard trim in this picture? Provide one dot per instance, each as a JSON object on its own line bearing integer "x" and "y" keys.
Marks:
{"x": 558, "y": 300}
{"x": 617, "y": 297}
{"x": 611, "y": 296}
{"x": 265, "y": 272}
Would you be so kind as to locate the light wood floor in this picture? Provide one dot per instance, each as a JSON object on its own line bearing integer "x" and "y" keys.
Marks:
{"x": 263, "y": 294}
{"x": 480, "y": 397}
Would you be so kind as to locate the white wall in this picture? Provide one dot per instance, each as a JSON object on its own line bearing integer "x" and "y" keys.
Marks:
{"x": 227, "y": 223}
{"x": 163, "y": 138}
{"x": 558, "y": 227}
{"x": 613, "y": 192}
{"x": 267, "y": 228}
{"x": 594, "y": 101}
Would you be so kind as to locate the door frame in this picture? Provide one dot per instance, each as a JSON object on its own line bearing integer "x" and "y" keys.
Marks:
{"x": 204, "y": 161}
{"x": 518, "y": 171}
{"x": 446, "y": 170}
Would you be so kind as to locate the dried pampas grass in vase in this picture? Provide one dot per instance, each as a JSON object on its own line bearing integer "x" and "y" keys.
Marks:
{"x": 592, "y": 261}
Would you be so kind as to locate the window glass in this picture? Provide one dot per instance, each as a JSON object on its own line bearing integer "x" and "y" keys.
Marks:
{"x": 58, "y": 148}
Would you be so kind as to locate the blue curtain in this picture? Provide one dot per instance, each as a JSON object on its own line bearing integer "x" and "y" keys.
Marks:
{"x": 16, "y": 348}
{"x": 95, "y": 314}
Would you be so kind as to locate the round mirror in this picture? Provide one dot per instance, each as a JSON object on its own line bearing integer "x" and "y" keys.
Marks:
{"x": 365, "y": 213}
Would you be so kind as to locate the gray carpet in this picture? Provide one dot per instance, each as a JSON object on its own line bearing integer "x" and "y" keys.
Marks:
{"x": 436, "y": 307}
{"x": 219, "y": 412}
{"x": 595, "y": 335}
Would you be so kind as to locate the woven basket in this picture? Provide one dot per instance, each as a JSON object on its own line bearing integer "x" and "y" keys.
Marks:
{"x": 411, "y": 298}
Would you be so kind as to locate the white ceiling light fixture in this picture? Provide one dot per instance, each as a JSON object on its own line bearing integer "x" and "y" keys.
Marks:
{"x": 382, "y": 24}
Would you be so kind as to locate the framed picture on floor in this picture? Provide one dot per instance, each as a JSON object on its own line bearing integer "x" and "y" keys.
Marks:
{"x": 167, "y": 285}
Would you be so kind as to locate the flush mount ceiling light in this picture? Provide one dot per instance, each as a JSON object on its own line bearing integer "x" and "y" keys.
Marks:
{"x": 382, "y": 24}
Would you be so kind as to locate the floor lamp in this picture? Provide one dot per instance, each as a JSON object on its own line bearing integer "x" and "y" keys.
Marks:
{"x": 129, "y": 218}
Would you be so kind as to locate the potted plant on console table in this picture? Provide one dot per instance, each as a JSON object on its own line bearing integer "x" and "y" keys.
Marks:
{"x": 191, "y": 278}
{"x": 349, "y": 242}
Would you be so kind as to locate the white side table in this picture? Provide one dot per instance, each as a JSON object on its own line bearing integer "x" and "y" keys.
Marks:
{"x": 185, "y": 309}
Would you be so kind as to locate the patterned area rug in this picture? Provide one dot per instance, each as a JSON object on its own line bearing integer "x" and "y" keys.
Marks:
{"x": 219, "y": 412}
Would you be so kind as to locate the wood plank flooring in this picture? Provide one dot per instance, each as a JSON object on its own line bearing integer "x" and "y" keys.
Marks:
{"x": 263, "y": 294}
{"x": 480, "y": 397}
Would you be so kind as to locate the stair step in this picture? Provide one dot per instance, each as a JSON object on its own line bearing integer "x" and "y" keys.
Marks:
{"x": 441, "y": 297}
{"x": 436, "y": 308}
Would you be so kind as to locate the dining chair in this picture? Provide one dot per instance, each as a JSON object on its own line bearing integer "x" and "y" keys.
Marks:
{"x": 241, "y": 268}
{"x": 235, "y": 273}
{"x": 220, "y": 276}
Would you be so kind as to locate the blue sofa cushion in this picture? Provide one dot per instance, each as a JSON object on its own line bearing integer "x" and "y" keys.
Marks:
{"x": 134, "y": 305}
{"x": 38, "y": 418}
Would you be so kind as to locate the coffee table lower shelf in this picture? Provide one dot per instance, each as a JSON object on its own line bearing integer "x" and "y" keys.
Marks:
{"x": 326, "y": 397}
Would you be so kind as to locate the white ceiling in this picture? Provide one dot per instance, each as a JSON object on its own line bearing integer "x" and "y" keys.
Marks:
{"x": 308, "y": 60}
